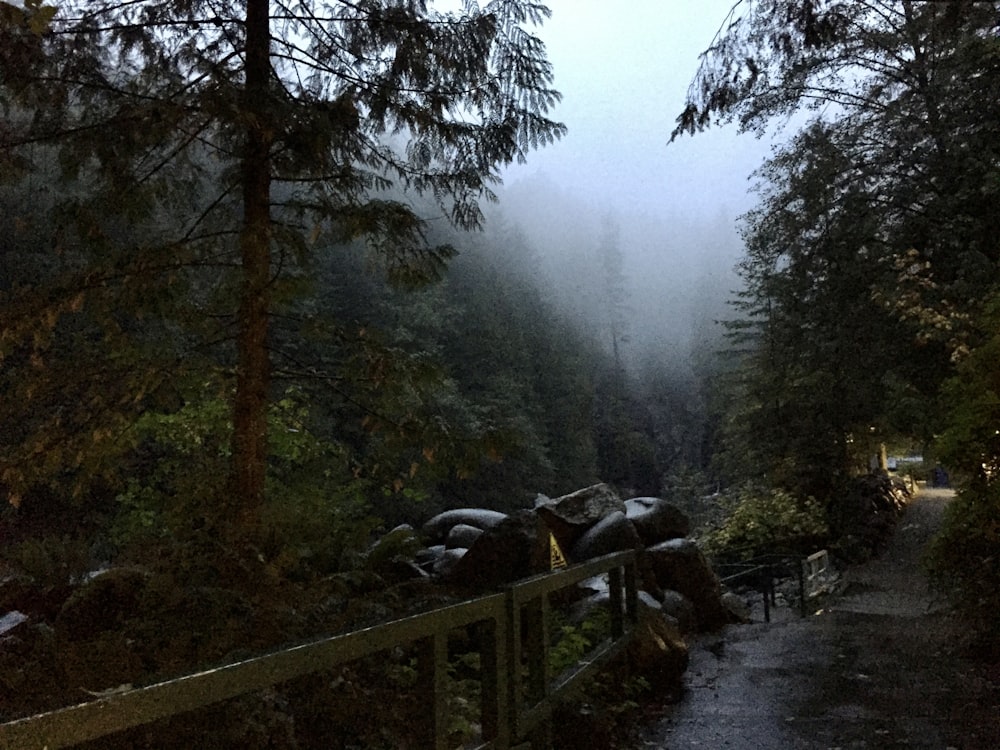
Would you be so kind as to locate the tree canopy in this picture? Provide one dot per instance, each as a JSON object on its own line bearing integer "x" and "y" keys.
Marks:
{"x": 185, "y": 161}
{"x": 874, "y": 247}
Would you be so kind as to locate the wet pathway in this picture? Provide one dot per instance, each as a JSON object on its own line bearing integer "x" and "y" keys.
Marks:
{"x": 873, "y": 670}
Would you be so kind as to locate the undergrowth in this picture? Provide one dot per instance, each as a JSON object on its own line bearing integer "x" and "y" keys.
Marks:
{"x": 964, "y": 559}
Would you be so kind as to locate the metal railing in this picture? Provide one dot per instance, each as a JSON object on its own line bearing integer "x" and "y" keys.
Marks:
{"x": 517, "y": 691}
{"x": 812, "y": 573}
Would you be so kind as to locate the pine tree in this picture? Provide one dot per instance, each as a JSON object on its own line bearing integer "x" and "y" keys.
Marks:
{"x": 232, "y": 135}
{"x": 612, "y": 287}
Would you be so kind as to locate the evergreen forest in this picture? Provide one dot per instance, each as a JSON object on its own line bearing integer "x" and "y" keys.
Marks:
{"x": 232, "y": 313}
{"x": 264, "y": 295}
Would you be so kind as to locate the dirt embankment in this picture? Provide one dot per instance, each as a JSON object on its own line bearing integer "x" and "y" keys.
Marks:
{"x": 881, "y": 665}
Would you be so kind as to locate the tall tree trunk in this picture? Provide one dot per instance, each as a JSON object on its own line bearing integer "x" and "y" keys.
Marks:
{"x": 253, "y": 366}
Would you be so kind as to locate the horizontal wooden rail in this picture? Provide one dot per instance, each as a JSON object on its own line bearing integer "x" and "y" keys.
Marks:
{"x": 87, "y": 721}
{"x": 532, "y": 699}
{"x": 510, "y": 708}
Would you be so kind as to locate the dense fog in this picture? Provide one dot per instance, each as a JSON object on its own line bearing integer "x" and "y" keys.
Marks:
{"x": 672, "y": 208}
{"x": 677, "y": 271}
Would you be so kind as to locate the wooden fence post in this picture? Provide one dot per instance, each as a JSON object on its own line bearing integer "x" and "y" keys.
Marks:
{"x": 495, "y": 704}
{"x": 432, "y": 670}
{"x": 617, "y": 601}
{"x": 536, "y": 616}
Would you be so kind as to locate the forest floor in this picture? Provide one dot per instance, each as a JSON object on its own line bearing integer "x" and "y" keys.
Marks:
{"x": 881, "y": 665}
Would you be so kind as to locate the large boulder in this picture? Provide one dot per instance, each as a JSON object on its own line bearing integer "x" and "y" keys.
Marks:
{"x": 658, "y": 651}
{"x": 656, "y": 520}
{"x": 462, "y": 535}
{"x": 128, "y": 624}
{"x": 679, "y": 564}
{"x": 600, "y": 599}
{"x": 391, "y": 557}
{"x": 445, "y": 563}
{"x": 427, "y": 557}
{"x": 400, "y": 540}
{"x": 613, "y": 533}
{"x": 103, "y": 602}
{"x": 570, "y": 515}
{"x": 736, "y": 606}
{"x": 680, "y": 608}
{"x": 435, "y": 530}
{"x": 516, "y": 547}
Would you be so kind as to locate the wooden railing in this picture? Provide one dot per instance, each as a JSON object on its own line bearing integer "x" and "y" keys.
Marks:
{"x": 517, "y": 691}
{"x": 817, "y": 573}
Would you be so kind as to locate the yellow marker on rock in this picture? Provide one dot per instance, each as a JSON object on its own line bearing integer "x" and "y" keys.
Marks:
{"x": 556, "y": 557}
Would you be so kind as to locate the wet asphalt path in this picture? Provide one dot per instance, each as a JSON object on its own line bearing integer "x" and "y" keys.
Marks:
{"x": 876, "y": 668}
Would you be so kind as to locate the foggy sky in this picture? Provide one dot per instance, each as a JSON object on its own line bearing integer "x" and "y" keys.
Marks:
{"x": 623, "y": 70}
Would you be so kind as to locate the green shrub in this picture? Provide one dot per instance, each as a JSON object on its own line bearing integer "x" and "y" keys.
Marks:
{"x": 964, "y": 559}
{"x": 316, "y": 518}
{"x": 50, "y": 560}
{"x": 756, "y": 519}
{"x": 177, "y": 473}
{"x": 573, "y": 642}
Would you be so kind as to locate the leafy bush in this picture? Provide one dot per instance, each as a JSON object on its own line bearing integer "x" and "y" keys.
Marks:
{"x": 970, "y": 442}
{"x": 964, "y": 559}
{"x": 50, "y": 560}
{"x": 316, "y": 512}
{"x": 573, "y": 642}
{"x": 757, "y": 518}
{"x": 604, "y": 708}
{"x": 178, "y": 472}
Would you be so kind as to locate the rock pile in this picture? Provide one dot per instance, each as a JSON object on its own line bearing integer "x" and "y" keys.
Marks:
{"x": 481, "y": 549}
{"x": 126, "y": 624}
{"x": 474, "y": 551}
